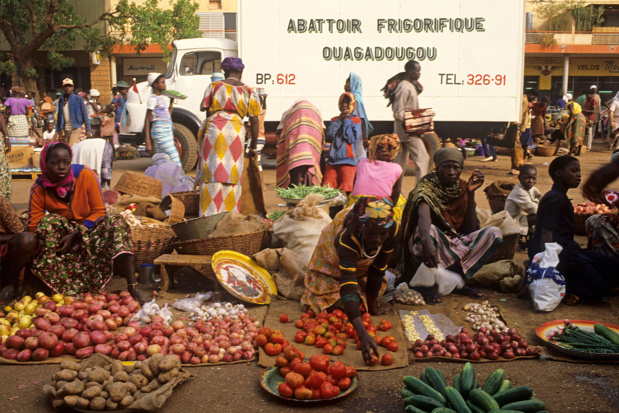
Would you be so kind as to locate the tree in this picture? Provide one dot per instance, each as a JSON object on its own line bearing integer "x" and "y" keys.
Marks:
{"x": 555, "y": 11}
{"x": 54, "y": 26}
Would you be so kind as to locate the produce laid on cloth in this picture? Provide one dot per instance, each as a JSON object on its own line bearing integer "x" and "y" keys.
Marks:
{"x": 101, "y": 383}
{"x": 421, "y": 323}
{"x": 296, "y": 193}
{"x": 405, "y": 295}
{"x": 582, "y": 338}
{"x": 431, "y": 393}
{"x": 484, "y": 315}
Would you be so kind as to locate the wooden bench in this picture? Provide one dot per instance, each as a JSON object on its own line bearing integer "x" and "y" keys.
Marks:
{"x": 200, "y": 263}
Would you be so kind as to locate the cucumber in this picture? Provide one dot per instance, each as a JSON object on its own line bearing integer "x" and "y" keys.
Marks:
{"x": 475, "y": 384}
{"x": 420, "y": 388}
{"x": 467, "y": 379}
{"x": 435, "y": 381}
{"x": 424, "y": 378}
{"x": 456, "y": 401}
{"x": 425, "y": 403}
{"x": 527, "y": 406}
{"x": 505, "y": 411}
{"x": 606, "y": 332}
{"x": 441, "y": 376}
{"x": 515, "y": 394}
{"x": 443, "y": 410}
{"x": 494, "y": 381}
{"x": 483, "y": 400}
{"x": 412, "y": 409}
{"x": 406, "y": 392}
{"x": 474, "y": 408}
{"x": 457, "y": 382}
{"x": 506, "y": 385}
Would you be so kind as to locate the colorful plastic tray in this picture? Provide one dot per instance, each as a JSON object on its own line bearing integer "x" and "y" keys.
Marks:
{"x": 270, "y": 379}
{"x": 550, "y": 327}
{"x": 243, "y": 278}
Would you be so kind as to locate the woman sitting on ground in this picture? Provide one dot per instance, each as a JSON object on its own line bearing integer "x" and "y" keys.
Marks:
{"x": 349, "y": 262}
{"x": 440, "y": 225}
{"x": 80, "y": 243}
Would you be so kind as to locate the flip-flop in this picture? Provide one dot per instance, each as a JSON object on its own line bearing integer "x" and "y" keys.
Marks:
{"x": 431, "y": 299}
{"x": 470, "y": 292}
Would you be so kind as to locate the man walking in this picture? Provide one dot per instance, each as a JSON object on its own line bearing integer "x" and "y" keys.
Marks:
{"x": 596, "y": 119}
{"x": 71, "y": 115}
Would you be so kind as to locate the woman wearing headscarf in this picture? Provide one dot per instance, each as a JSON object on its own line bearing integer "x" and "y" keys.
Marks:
{"x": 79, "y": 243}
{"x": 354, "y": 85}
{"x": 344, "y": 134}
{"x": 349, "y": 262}
{"x": 299, "y": 147}
{"x": 17, "y": 107}
{"x": 440, "y": 225}
{"x": 377, "y": 175}
{"x": 576, "y": 126}
{"x": 222, "y": 144}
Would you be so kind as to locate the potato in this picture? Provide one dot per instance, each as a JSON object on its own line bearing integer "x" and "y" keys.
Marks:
{"x": 71, "y": 400}
{"x": 121, "y": 376}
{"x": 92, "y": 384}
{"x": 110, "y": 405}
{"x": 105, "y": 394}
{"x": 60, "y": 384}
{"x": 116, "y": 367}
{"x": 146, "y": 371}
{"x": 169, "y": 362}
{"x": 155, "y": 359}
{"x": 82, "y": 375}
{"x": 66, "y": 375}
{"x": 168, "y": 375}
{"x": 131, "y": 388}
{"x": 87, "y": 369}
{"x": 49, "y": 391}
{"x": 82, "y": 403}
{"x": 57, "y": 404}
{"x": 98, "y": 403}
{"x": 91, "y": 392}
{"x": 70, "y": 365}
{"x": 153, "y": 385}
{"x": 117, "y": 391}
{"x": 126, "y": 401}
{"x": 75, "y": 387}
{"x": 139, "y": 380}
{"x": 128, "y": 368}
{"x": 99, "y": 375}
{"x": 137, "y": 364}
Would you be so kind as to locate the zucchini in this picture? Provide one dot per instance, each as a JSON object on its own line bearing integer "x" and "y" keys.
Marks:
{"x": 406, "y": 392}
{"x": 527, "y": 406}
{"x": 493, "y": 382}
{"x": 420, "y": 388}
{"x": 483, "y": 400}
{"x": 506, "y": 385}
{"x": 443, "y": 410}
{"x": 412, "y": 409}
{"x": 457, "y": 382}
{"x": 467, "y": 379}
{"x": 435, "y": 381}
{"x": 607, "y": 333}
{"x": 425, "y": 403}
{"x": 515, "y": 394}
{"x": 474, "y": 408}
{"x": 456, "y": 401}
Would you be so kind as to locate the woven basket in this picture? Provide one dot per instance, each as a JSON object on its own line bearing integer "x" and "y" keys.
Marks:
{"x": 149, "y": 243}
{"x": 579, "y": 221}
{"x": 545, "y": 150}
{"x": 176, "y": 207}
{"x": 497, "y": 204}
{"x": 137, "y": 184}
{"x": 506, "y": 250}
{"x": 191, "y": 200}
{"x": 247, "y": 244}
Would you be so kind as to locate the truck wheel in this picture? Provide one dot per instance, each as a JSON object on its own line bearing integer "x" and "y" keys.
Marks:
{"x": 432, "y": 144}
{"x": 186, "y": 146}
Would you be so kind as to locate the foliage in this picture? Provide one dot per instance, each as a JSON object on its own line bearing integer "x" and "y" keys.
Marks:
{"x": 548, "y": 39}
{"x": 558, "y": 13}
{"x": 588, "y": 17}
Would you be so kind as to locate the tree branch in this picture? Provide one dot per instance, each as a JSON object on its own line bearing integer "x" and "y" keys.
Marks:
{"x": 7, "y": 29}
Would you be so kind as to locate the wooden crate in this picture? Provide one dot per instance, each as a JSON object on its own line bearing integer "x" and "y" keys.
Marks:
{"x": 25, "y": 176}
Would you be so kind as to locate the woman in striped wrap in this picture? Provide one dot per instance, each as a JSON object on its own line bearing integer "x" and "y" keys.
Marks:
{"x": 440, "y": 225}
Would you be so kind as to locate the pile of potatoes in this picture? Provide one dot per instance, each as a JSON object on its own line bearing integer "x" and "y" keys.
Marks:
{"x": 115, "y": 386}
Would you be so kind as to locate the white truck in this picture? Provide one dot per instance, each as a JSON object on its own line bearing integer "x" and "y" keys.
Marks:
{"x": 471, "y": 54}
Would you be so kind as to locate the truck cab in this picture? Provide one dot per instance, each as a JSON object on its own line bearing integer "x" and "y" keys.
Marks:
{"x": 189, "y": 72}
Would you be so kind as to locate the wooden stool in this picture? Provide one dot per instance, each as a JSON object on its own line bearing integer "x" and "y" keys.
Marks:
{"x": 200, "y": 263}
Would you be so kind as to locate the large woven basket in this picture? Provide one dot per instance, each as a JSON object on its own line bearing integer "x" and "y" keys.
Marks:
{"x": 497, "y": 203}
{"x": 579, "y": 221}
{"x": 191, "y": 200}
{"x": 176, "y": 207}
{"x": 545, "y": 150}
{"x": 137, "y": 184}
{"x": 247, "y": 244}
{"x": 506, "y": 250}
{"x": 149, "y": 243}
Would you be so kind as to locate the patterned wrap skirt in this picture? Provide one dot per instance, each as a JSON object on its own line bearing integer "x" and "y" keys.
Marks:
{"x": 163, "y": 137}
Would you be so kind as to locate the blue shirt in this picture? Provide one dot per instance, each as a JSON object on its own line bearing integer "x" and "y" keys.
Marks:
{"x": 77, "y": 112}
{"x": 561, "y": 103}
{"x": 345, "y": 136}
{"x": 119, "y": 104}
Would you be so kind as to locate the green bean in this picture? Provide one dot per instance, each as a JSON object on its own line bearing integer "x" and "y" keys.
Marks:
{"x": 301, "y": 191}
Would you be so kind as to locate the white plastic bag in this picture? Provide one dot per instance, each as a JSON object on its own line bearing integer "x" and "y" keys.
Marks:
{"x": 546, "y": 284}
{"x": 446, "y": 280}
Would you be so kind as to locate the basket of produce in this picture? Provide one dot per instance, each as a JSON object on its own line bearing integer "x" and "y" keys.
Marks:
{"x": 506, "y": 250}
{"x": 176, "y": 207}
{"x": 582, "y": 338}
{"x": 191, "y": 200}
{"x": 150, "y": 242}
{"x": 138, "y": 184}
{"x": 174, "y": 94}
{"x": 247, "y": 244}
{"x": 197, "y": 228}
{"x": 497, "y": 193}
{"x": 545, "y": 150}
{"x": 584, "y": 211}
{"x": 295, "y": 194}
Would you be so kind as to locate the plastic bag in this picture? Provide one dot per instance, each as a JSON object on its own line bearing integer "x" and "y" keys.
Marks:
{"x": 446, "y": 280}
{"x": 546, "y": 284}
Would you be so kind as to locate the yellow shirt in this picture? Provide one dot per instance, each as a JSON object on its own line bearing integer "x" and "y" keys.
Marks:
{"x": 576, "y": 108}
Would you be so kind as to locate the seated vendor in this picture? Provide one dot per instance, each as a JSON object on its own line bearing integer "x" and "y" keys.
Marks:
{"x": 588, "y": 275}
{"x": 349, "y": 262}
{"x": 80, "y": 243}
{"x": 16, "y": 248}
{"x": 522, "y": 202}
{"x": 441, "y": 227}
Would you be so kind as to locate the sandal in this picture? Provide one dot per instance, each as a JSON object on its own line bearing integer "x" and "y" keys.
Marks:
{"x": 470, "y": 292}
{"x": 431, "y": 299}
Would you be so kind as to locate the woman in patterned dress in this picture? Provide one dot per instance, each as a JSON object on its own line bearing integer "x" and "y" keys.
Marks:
{"x": 79, "y": 242}
{"x": 17, "y": 107}
{"x": 222, "y": 144}
{"x": 349, "y": 262}
{"x": 6, "y": 182}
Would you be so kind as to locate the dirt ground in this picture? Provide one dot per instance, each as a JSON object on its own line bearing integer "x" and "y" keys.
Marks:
{"x": 564, "y": 386}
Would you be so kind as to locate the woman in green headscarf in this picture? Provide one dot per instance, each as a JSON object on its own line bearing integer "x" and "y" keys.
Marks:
{"x": 441, "y": 226}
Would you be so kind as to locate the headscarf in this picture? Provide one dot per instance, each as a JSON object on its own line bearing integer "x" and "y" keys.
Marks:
{"x": 567, "y": 97}
{"x": 353, "y": 102}
{"x": 384, "y": 147}
{"x": 372, "y": 211}
{"x": 357, "y": 90}
{"x": 448, "y": 154}
{"x": 15, "y": 90}
{"x": 232, "y": 63}
{"x": 616, "y": 98}
{"x": 63, "y": 187}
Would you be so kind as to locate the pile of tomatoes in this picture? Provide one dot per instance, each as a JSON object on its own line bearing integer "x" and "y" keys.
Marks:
{"x": 315, "y": 379}
{"x": 273, "y": 342}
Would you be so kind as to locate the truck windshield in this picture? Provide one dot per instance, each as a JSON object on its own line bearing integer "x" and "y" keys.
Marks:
{"x": 200, "y": 63}
{"x": 170, "y": 72}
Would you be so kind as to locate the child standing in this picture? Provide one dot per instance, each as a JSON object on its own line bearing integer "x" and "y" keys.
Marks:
{"x": 524, "y": 199}
{"x": 107, "y": 124}
{"x": 344, "y": 133}
{"x": 588, "y": 275}
{"x": 50, "y": 134}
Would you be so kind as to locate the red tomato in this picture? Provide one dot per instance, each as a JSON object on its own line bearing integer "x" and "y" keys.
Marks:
{"x": 315, "y": 379}
{"x": 283, "y": 318}
{"x": 300, "y": 337}
{"x": 338, "y": 370}
{"x": 331, "y": 380}
{"x": 337, "y": 350}
{"x": 316, "y": 394}
{"x": 374, "y": 361}
{"x": 294, "y": 362}
{"x": 327, "y": 390}
{"x": 350, "y": 331}
{"x": 284, "y": 370}
{"x": 366, "y": 316}
{"x": 272, "y": 350}
{"x": 294, "y": 380}
{"x": 319, "y": 362}
{"x": 379, "y": 340}
{"x": 290, "y": 353}
{"x": 339, "y": 314}
{"x": 384, "y": 325}
{"x": 385, "y": 342}
{"x": 303, "y": 393}
{"x": 277, "y": 338}
{"x": 311, "y": 313}
{"x": 261, "y": 340}
{"x": 351, "y": 371}
{"x": 321, "y": 341}
{"x": 266, "y": 331}
{"x": 281, "y": 361}
{"x": 303, "y": 369}
{"x": 393, "y": 346}
{"x": 386, "y": 360}
{"x": 328, "y": 348}
{"x": 310, "y": 340}
{"x": 298, "y": 324}
{"x": 344, "y": 383}
{"x": 285, "y": 390}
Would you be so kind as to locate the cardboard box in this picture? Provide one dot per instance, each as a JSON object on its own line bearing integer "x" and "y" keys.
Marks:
{"x": 20, "y": 156}
{"x": 36, "y": 157}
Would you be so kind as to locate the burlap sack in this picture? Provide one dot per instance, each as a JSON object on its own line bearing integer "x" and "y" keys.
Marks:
{"x": 146, "y": 209}
{"x": 504, "y": 222}
{"x": 234, "y": 223}
{"x": 504, "y": 275}
{"x": 252, "y": 194}
{"x": 287, "y": 270}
